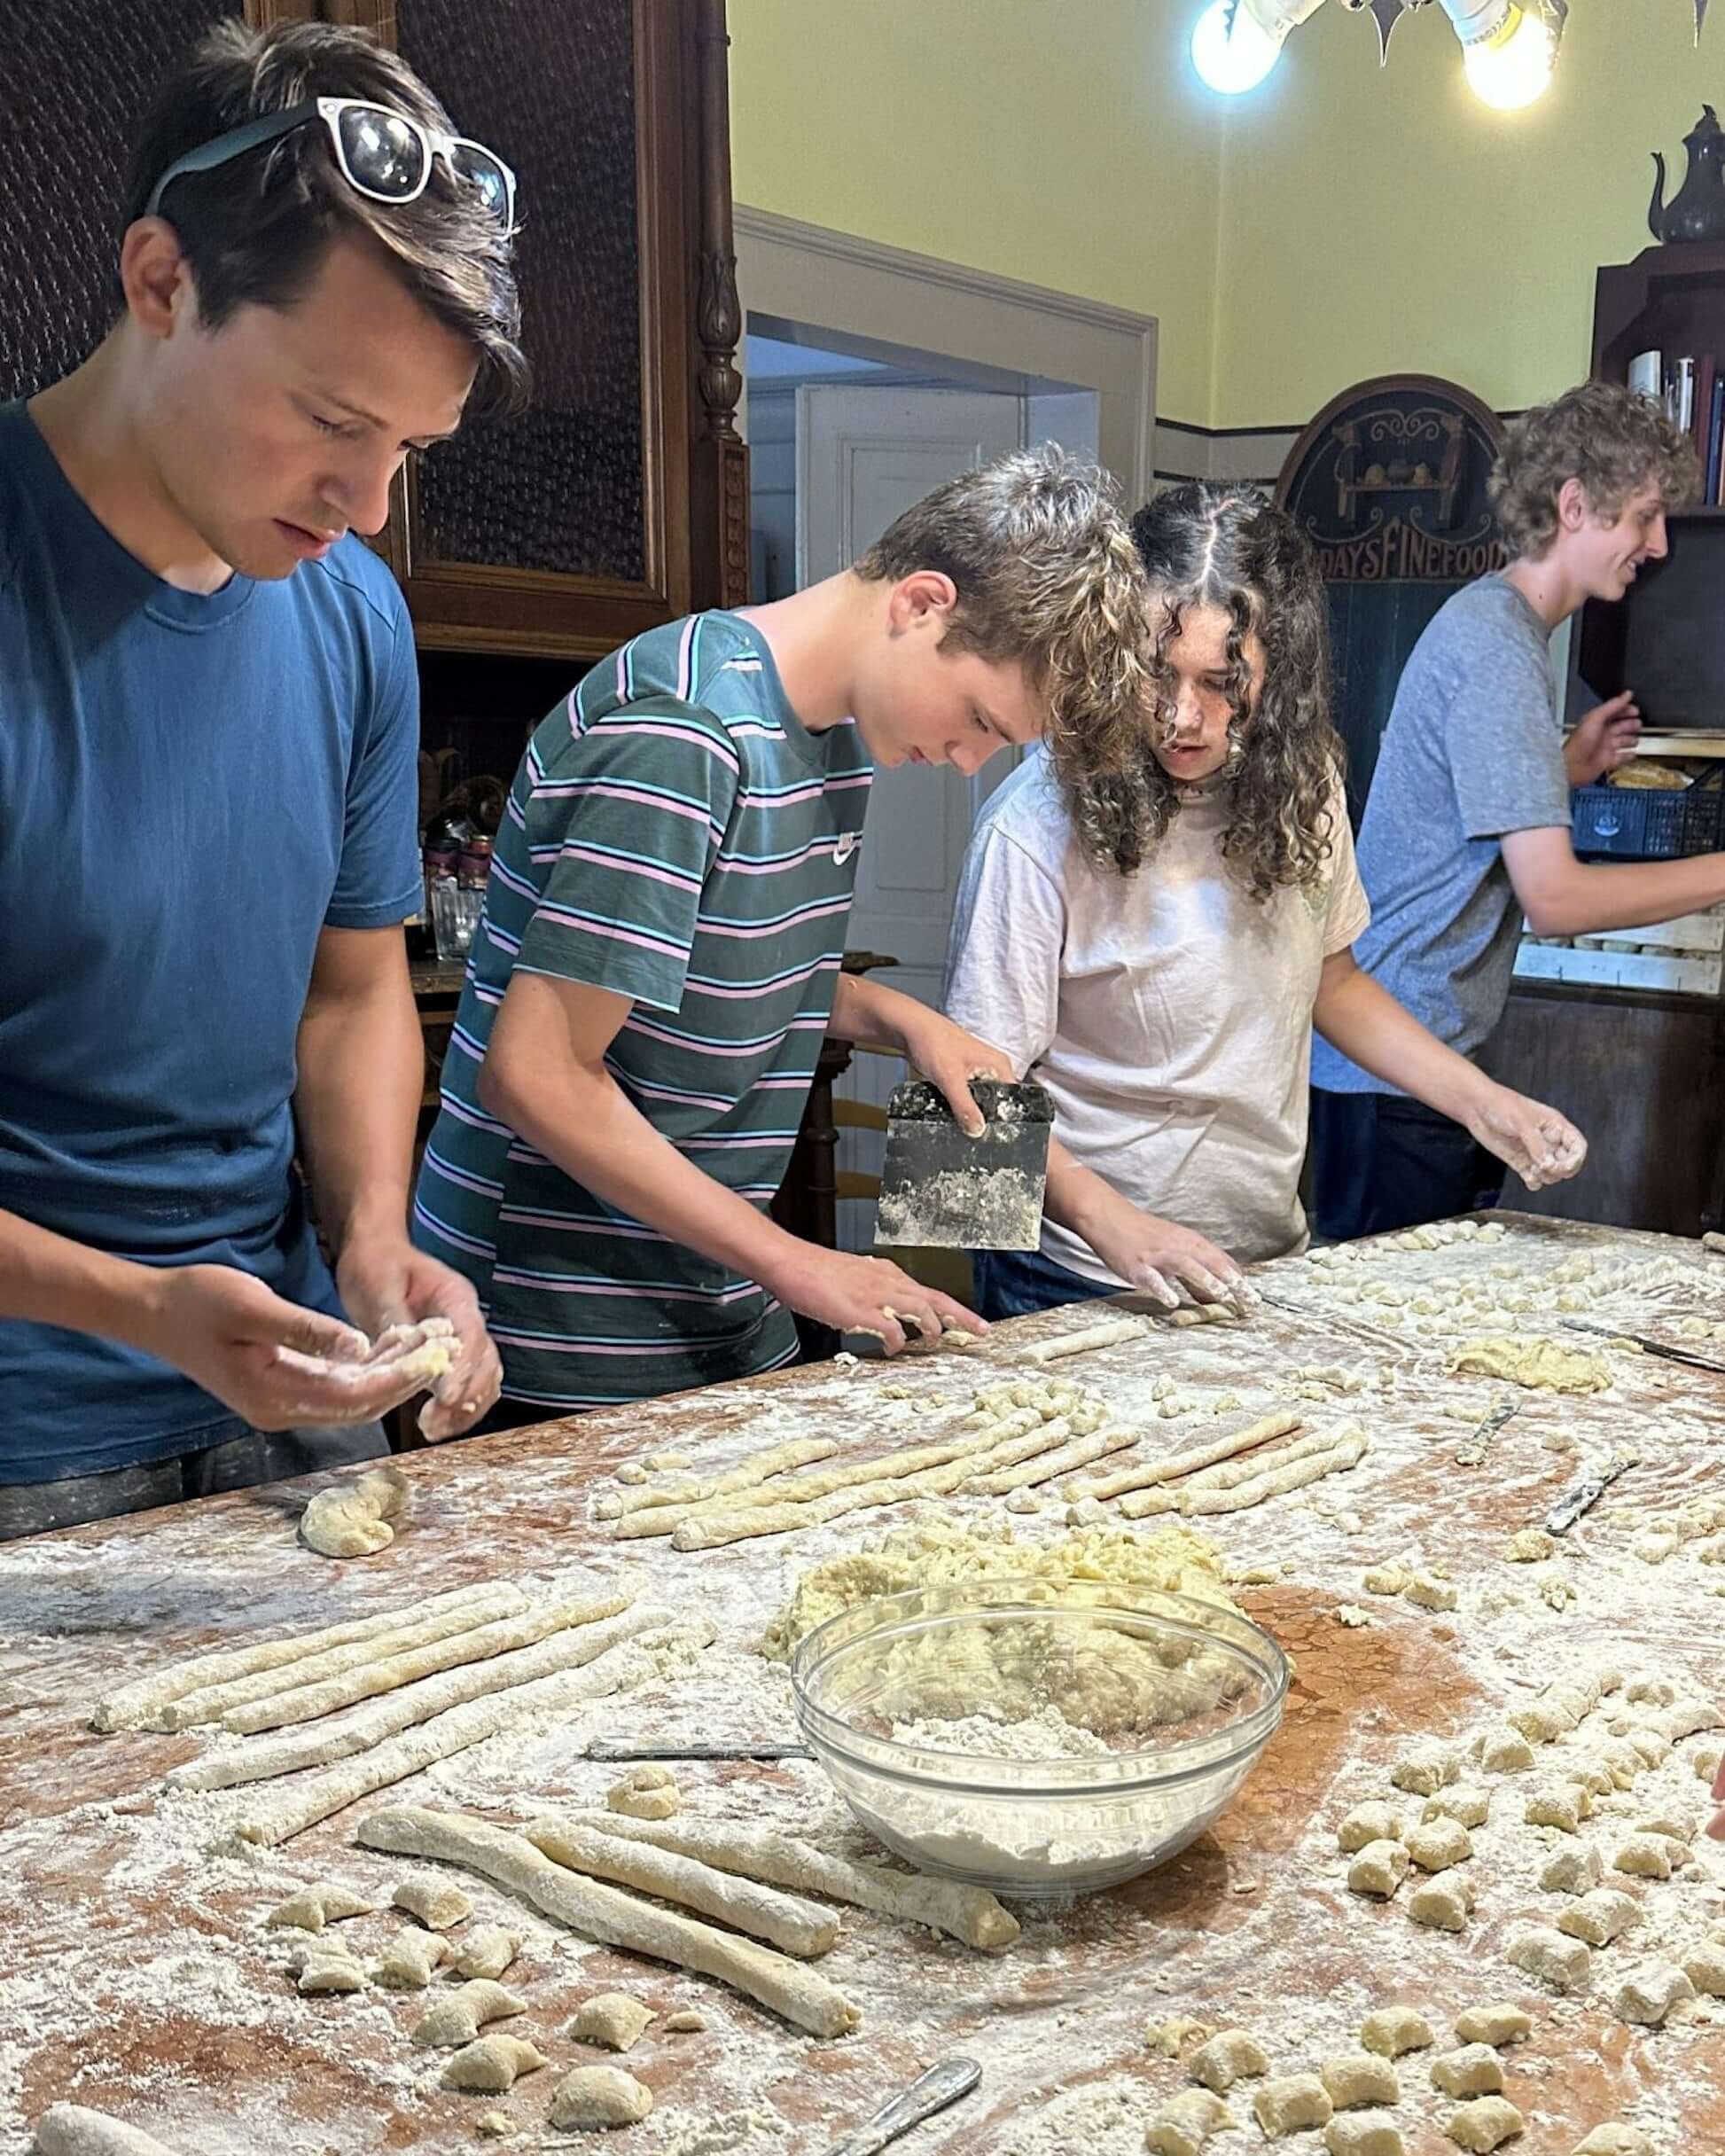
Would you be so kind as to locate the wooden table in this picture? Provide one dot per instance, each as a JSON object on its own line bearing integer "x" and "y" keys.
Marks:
{"x": 133, "y": 1975}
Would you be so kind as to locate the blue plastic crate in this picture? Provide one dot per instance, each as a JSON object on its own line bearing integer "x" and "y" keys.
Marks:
{"x": 1646, "y": 824}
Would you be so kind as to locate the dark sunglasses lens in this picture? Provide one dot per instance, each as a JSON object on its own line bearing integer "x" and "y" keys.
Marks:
{"x": 481, "y": 170}
{"x": 383, "y": 152}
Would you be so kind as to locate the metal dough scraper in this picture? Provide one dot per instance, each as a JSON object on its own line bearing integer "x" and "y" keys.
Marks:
{"x": 941, "y": 1190}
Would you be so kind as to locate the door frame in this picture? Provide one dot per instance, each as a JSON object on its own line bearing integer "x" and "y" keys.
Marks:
{"x": 862, "y": 288}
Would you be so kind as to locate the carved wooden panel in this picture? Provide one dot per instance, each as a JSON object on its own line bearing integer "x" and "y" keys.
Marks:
{"x": 76, "y": 77}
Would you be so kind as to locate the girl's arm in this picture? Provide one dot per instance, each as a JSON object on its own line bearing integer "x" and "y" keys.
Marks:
{"x": 1369, "y": 1027}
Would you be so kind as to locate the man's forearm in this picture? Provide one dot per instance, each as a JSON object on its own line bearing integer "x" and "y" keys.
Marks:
{"x": 362, "y": 1071}
{"x": 868, "y": 1013}
{"x": 48, "y": 1279}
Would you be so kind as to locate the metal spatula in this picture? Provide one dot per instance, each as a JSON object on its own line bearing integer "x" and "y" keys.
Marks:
{"x": 941, "y": 1190}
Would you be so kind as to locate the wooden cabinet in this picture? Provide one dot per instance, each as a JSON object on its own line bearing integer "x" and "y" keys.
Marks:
{"x": 620, "y": 498}
{"x": 1644, "y": 1075}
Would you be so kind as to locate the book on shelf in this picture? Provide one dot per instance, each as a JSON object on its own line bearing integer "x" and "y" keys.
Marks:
{"x": 1646, "y": 375}
{"x": 1691, "y": 390}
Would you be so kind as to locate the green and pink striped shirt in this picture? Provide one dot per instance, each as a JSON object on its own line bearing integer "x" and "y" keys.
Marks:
{"x": 675, "y": 835}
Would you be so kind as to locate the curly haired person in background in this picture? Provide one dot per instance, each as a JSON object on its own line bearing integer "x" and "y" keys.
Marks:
{"x": 1156, "y": 945}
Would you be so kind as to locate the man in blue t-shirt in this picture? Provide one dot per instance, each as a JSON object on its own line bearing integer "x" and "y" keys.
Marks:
{"x": 207, "y": 794}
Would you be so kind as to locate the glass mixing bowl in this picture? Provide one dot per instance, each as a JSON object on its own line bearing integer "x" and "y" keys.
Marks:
{"x": 1041, "y": 1739}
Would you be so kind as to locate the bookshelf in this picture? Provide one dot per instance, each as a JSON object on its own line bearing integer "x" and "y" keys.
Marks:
{"x": 1642, "y": 1071}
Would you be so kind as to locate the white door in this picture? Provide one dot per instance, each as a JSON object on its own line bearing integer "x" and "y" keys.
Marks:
{"x": 863, "y": 456}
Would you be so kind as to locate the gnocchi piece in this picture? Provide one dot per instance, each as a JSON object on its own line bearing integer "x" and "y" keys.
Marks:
{"x": 439, "y": 1906}
{"x": 1231, "y": 2055}
{"x": 1467, "y": 1803}
{"x": 1591, "y": 1774}
{"x": 1366, "y": 1823}
{"x": 612, "y": 2019}
{"x": 1292, "y": 2103}
{"x": 1352, "y": 2079}
{"x": 312, "y": 1908}
{"x": 326, "y": 1969}
{"x": 459, "y": 2018}
{"x": 1378, "y": 1869}
{"x": 1505, "y": 1751}
{"x": 1529, "y": 1546}
{"x": 1182, "y": 2127}
{"x": 1564, "y": 1964}
{"x": 1363, "y": 2133}
{"x": 1393, "y": 1579}
{"x": 1484, "y": 2124}
{"x": 1643, "y": 1856}
{"x": 1495, "y": 2023}
{"x": 1475, "y": 2070}
{"x": 407, "y": 1963}
{"x": 1600, "y": 1916}
{"x": 1443, "y": 1903}
{"x": 1425, "y": 1770}
{"x": 686, "y": 2021}
{"x": 1171, "y": 2038}
{"x": 1572, "y": 1871}
{"x": 487, "y": 1951}
{"x": 1564, "y": 1806}
{"x": 1439, "y": 1843}
{"x": 1391, "y": 2030}
{"x": 1622, "y": 1762}
{"x": 646, "y": 1791}
{"x": 1705, "y": 1967}
{"x": 1426, "y": 1591}
{"x": 1671, "y": 1826}
{"x": 599, "y": 2096}
{"x": 1648, "y": 1994}
{"x": 491, "y": 2064}
{"x": 1615, "y": 2140}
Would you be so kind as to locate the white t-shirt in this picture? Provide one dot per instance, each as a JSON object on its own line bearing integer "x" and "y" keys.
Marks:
{"x": 1168, "y": 1013}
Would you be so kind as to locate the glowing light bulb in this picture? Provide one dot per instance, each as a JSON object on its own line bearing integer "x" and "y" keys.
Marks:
{"x": 1237, "y": 58}
{"x": 1512, "y": 66}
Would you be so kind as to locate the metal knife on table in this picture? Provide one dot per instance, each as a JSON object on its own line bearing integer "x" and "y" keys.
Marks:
{"x": 1473, "y": 1450}
{"x": 929, "y": 2093}
{"x": 1663, "y": 1348}
{"x": 614, "y": 1749}
{"x": 1587, "y": 1493}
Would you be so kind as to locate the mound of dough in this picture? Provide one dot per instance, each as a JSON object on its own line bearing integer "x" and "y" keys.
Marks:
{"x": 353, "y": 1519}
{"x": 1126, "y": 1688}
{"x": 1540, "y": 1363}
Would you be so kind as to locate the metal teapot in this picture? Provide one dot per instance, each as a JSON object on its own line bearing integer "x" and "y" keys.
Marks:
{"x": 1697, "y": 210}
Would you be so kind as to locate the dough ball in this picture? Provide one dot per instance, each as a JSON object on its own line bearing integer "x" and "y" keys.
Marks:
{"x": 1643, "y": 1856}
{"x": 1572, "y": 1871}
{"x": 1378, "y": 1869}
{"x": 646, "y": 1791}
{"x": 487, "y": 1951}
{"x": 1539, "y": 1950}
{"x": 1443, "y": 1903}
{"x": 1353, "y": 2079}
{"x": 1466, "y": 1803}
{"x": 1484, "y": 2124}
{"x": 1616, "y": 2141}
{"x": 1363, "y": 2133}
{"x": 1648, "y": 1994}
{"x": 1505, "y": 1750}
{"x": 1497, "y": 2024}
{"x": 1439, "y": 1843}
{"x": 313, "y": 1907}
{"x": 1599, "y": 1917}
{"x": 1291, "y": 2104}
{"x": 407, "y": 1963}
{"x": 1368, "y": 1823}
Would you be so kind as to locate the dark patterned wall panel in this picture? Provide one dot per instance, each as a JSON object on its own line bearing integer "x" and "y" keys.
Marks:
{"x": 76, "y": 78}
{"x": 551, "y": 88}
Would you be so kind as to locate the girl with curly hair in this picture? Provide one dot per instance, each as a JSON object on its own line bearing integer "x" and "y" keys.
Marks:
{"x": 1156, "y": 942}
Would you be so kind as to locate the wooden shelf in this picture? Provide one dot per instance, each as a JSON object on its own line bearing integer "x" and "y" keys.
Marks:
{"x": 1706, "y": 742}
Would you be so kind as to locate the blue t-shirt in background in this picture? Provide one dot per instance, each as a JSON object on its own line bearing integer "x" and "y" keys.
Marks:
{"x": 192, "y": 788}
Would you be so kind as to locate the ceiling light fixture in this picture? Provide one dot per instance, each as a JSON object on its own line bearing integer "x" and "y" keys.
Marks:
{"x": 1507, "y": 50}
{"x": 1509, "y": 47}
{"x": 1236, "y": 43}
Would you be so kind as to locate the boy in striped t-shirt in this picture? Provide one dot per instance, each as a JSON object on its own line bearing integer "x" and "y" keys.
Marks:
{"x": 659, "y": 955}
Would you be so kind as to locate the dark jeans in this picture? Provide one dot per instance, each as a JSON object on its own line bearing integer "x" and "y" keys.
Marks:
{"x": 240, "y": 1463}
{"x": 1381, "y": 1161}
{"x": 1013, "y": 1283}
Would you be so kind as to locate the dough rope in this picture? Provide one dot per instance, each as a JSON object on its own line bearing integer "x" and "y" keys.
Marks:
{"x": 1174, "y": 1464}
{"x": 307, "y": 1702}
{"x": 969, "y": 1914}
{"x": 213, "y": 1701}
{"x": 1112, "y": 1332}
{"x": 371, "y": 1723}
{"x": 795, "y": 1928}
{"x": 759, "y": 1467}
{"x": 446, "y": 1734}
{"x": 603, "y": 1913}
{"x": 131, "y": 1707}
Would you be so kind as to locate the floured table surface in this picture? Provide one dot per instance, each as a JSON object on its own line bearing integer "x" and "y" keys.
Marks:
{"x": 134, "y": 1978}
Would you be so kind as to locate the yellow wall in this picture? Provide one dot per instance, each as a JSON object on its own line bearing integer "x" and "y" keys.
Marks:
{"x": 1064, "y": 142}
{"x": 1340, "y": 222}
{"x": 1375, "y": 221}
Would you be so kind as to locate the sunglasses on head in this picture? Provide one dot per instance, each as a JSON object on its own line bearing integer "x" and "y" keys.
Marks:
{"x": 381, "y": 153}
